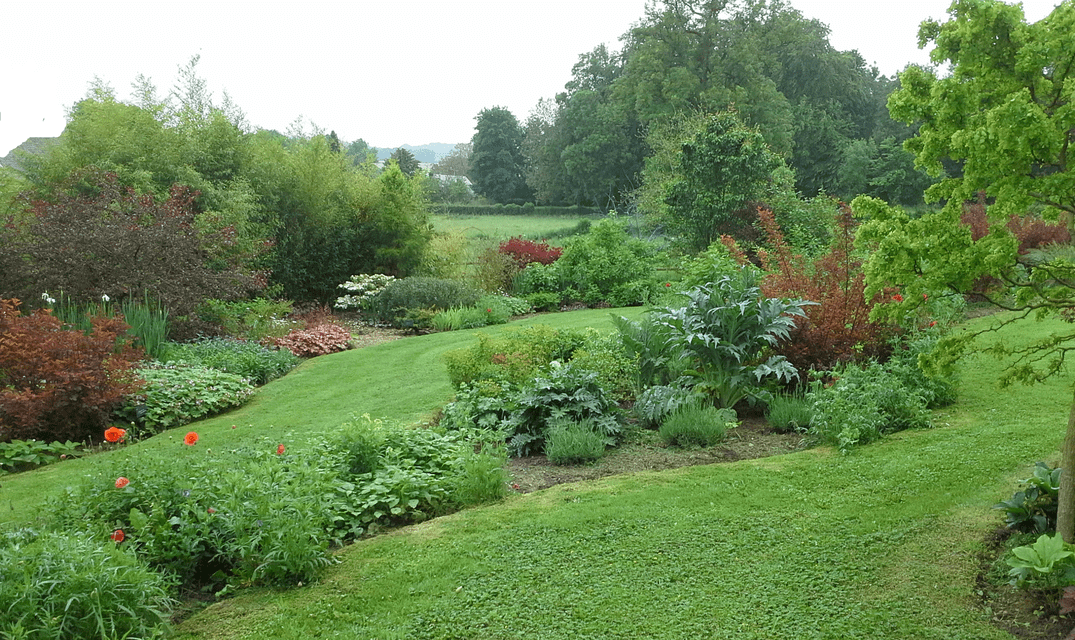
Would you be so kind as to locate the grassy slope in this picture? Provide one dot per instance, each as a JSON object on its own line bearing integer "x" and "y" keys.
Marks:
{"x": 404, "y": 380}
{"x": 810, "y": 545}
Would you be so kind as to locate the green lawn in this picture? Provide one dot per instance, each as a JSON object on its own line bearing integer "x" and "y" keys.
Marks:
{"x": 504, "y": 227}
{"x": 877, "y": 544}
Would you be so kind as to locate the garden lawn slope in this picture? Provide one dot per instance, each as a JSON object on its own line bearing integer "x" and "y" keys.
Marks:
{"x": 402, "y": 380}
{"x": 877, "y": 544}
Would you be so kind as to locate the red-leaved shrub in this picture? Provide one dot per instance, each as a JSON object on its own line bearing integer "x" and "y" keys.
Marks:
{"x": 523, "y": 252}
{"x": 316, "y": 341}
{"x": 61, "y": 384}
{"x": 837, "y": 329}
{"x": 1031, "y": 232}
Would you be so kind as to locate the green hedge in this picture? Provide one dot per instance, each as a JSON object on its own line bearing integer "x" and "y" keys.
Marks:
{"x": 527, "y": 209}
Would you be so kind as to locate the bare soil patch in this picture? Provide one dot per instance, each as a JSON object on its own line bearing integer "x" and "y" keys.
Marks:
{"x": 644, "y": 451}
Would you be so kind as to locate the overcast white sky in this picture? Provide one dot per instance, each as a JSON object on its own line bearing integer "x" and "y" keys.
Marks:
{"x": 390, "y": 72}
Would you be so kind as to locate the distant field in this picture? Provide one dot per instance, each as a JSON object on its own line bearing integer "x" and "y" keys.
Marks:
{"x": 504, "y": 227}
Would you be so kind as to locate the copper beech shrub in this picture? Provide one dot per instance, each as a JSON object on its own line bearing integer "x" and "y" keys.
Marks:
{"x": 837, "y": 330}
{"x": 57, "y": 383}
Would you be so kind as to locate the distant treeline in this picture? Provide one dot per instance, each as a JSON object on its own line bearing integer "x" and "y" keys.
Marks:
{"x": 527, "y": 209}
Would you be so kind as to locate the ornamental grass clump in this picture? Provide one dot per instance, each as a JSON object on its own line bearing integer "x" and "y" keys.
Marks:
{"x": 697, "y": 426}
{"x": 574, "y": 442}
{"x": 71, "y": 585}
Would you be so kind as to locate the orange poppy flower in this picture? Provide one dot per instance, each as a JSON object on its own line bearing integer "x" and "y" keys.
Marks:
{"x": 117, "y": 535}
{"x": 115, "y": 434}
{"x": 122, "y": 482}
{"x": 190, "y": 438}
{"x": 280, "y": 450}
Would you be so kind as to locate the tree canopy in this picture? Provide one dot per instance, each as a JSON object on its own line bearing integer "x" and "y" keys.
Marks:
{"x": 1004, "y": 115}
{"x": 496, "y": 159}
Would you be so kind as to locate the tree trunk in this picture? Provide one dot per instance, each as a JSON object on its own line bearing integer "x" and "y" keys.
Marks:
{"x": 1065, "y": 509}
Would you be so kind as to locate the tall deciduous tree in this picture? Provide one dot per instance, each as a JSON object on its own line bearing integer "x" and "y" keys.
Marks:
{"x": 456, "y": 163}
{"x": 496, "y": 161}
{"x": 715, "y": 167}
{"x": 1006, "y": 113}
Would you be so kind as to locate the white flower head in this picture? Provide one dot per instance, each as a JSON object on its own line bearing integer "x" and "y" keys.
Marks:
{"x": 105, "y": 298}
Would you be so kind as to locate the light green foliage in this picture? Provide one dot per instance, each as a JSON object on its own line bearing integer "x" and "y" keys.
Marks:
{"x": 658, "y": 402}
{"x": 247, "y": 359}
{"x": 862, "y": 403}
{"x": 707, "y": 170}
{"x": 1048, "y": 564}
{"x": 57, "y": 586}
{"x": 607, "y": 265}
{"x": 789, "y": 412}
{"x": 604, "y": 354}
{"x": 694, "y": 425}
{"x": 707, "y": 266}
{"x": 515, "y": 356}
{"x": 1005, "y": 112}
{"x": 178, "y": 394}
{"x": 571, "y": 442}
{"x": 725, "y": 329}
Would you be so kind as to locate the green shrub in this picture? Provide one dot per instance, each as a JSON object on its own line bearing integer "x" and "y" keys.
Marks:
{"x": 503, "y": 305}
{"x": 693, "y": 425}
{"x": 608, "y": 265}
{"x": 544, "y": 301}
{"x": 564, "y": 392}
{"x": 516, "y": 356}
{"x": 205, "y": 517}
{"x": 253, "y": 320}
{"x": 178, "y": 394}
{"x": 23, "y": 455}
{"x": 658, "y": 402}
{"x": 56, "y": 586}
{"x": 1033, "y": 508}
{"x": 399, "y": 297}
{"x": 570, "y": 442}
{"x": 247, "y": 359}
{"x": 862, "y": 403}
{"x": 604, "y": 354}
{"x": 1047, "y": 565}
{"x": 937, "y": 390}
{"x": 787, "y": 413}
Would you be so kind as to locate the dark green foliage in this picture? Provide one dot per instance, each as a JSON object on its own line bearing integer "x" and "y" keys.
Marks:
{"x": 56, "y": 586}
{"x": 392, "y": 304}
{"x": 720, "y": 171}
{"x": 1033, "y": 508}
{"x": 564, "y": 392}
{"x": 252, "y": 320}
{"x": 496, "y": 160}
{"x": 247, "y": 359}
{"x": 937, "y": 389}
{"x": 406, "y": 161}
{"x": 23, "y": 455}
{"x": 693, "y": 425}
{"x": 570, "y": 442}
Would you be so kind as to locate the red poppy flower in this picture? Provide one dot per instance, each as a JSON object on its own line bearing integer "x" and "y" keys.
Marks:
{"x": 117, "y": 535}
{"x": 897, "y": 298}
{"x": 925, "y": 296}
{"x": 933, "y": 323}
{"x": 668, "y": 284}
{"x": 115, "y": 434}
{"x": 488, "y": 310}
{"x": 190, "y": 438}
{"x": 280, "y": 450}
{"x": 122, "y": 482}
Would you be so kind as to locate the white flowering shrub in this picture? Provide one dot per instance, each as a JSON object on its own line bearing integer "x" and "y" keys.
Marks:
{"x": 362, "y": 288}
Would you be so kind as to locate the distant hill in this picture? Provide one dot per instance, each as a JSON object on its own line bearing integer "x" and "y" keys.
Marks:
{"x": 32, "y": 146}
{"x": 422, "y": 152}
